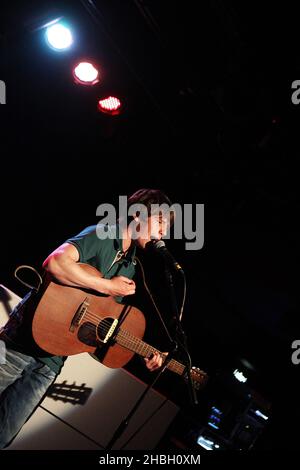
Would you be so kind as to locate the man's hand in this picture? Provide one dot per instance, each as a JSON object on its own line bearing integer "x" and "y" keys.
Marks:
{"x": 154, "y": 361}
{"x": 119, "y": 285}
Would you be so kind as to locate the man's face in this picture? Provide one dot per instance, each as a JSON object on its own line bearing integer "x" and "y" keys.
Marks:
{"x": 154, "y": 227}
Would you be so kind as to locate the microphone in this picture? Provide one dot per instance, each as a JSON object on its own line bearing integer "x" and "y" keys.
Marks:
{"x": 160, "y": 247}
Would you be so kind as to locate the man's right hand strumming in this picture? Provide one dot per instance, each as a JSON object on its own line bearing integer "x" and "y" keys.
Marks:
{"x": 118, "y": 286}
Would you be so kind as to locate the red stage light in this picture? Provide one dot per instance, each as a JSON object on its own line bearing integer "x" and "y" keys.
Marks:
{"x": 110, "y": 105}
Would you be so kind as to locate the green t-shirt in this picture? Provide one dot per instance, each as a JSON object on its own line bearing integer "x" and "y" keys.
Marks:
{"x": 106, "y": 255}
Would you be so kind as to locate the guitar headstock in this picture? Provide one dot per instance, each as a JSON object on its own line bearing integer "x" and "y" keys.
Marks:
{"x": 199, "y": 378}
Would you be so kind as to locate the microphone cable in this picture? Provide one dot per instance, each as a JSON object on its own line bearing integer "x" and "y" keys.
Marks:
{"x": 153, "y": 301}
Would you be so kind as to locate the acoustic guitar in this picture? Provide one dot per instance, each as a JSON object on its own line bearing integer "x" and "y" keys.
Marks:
{"x": 70, "y": 320}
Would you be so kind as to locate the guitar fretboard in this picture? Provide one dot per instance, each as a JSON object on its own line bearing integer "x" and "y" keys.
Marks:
{"x": 128, "y": 341}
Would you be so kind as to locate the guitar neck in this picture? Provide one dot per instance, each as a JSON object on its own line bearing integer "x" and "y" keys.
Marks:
{"x": 128, "y": 341}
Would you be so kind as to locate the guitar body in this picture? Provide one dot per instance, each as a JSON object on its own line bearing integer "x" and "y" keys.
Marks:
{"x": 69, "y": 320}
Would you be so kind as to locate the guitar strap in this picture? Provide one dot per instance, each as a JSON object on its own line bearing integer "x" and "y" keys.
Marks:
{"x": 25, "y": 266}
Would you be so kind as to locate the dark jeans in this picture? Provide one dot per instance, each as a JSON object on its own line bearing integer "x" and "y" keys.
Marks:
{"x": 23, "y": 383}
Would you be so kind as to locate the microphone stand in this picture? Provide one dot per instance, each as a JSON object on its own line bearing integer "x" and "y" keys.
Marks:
{"x": 174, "y": 346}
{"x": 181, "y": 334}
{"x": 123, "y": 425}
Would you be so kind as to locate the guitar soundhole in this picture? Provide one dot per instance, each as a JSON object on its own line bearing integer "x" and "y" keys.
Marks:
{"x": 103, "y": 328}
{"x": 87, "y": 334}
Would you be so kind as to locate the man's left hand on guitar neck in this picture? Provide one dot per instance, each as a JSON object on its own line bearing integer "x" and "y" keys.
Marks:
{"x": 154, "y": 362}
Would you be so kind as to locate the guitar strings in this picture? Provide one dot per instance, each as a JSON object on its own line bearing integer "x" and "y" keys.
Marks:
{"x": 123, "y": 334}
{"x": 106, "y": 324}
{"x": 130, "y": 339}
{"x": 140, "y": 346}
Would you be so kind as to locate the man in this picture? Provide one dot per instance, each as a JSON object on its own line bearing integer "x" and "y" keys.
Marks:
{"x": 26, "y": 371}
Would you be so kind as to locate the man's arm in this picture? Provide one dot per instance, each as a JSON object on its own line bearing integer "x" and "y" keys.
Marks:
{"x": 62, "y": 263}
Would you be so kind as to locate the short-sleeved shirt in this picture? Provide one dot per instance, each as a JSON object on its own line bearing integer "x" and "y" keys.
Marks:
{"x": 105, "y": 254}
{"x": 99, "y": 246}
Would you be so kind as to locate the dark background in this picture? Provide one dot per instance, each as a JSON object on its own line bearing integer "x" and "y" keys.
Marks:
{"x": 208, "y": 118}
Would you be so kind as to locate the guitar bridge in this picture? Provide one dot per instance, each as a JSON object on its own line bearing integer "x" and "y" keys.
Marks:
{"x": 110, "y": 331}
{"x": 81, "y": 311}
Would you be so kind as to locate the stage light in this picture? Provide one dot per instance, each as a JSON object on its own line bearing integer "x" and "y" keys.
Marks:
{"x": 110, "y": 105}
{"x": 215, "y": 417}
{"x": 207, "y": 442}
{"x": 261, "y": 415}
{"x": 239, "y": 376}
{"x": 86, "y": 74}
{"x": 59, "y": 36}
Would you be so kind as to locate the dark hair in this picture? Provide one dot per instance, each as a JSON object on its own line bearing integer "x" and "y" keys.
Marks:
{"x": 147, "y": 197}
